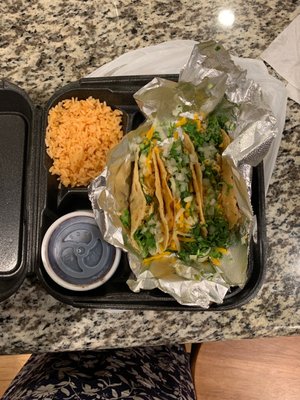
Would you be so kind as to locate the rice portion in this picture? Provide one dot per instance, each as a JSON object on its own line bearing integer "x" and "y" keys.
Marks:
{"x": 78, "y": 137}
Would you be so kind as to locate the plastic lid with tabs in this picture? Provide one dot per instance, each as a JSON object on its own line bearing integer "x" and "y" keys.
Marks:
{"x": 75, "y": 255}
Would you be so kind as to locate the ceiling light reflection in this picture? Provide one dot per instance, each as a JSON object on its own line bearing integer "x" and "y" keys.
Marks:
{"x": 226, "y": 17}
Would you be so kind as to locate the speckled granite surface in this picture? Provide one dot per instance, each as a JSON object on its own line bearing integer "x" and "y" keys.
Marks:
{"x": 45, "y": 44}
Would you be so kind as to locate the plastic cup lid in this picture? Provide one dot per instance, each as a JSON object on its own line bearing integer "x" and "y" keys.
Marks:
{"x": 75, "y": 255}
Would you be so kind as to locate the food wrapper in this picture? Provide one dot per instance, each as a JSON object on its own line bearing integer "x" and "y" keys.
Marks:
{"x": 209, "y": 81}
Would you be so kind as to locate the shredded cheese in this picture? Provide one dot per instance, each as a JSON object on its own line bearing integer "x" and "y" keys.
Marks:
{"x": 222, "y": 250}
{"x": 156, "y": 257}
{"x": 186, "y": 239}
{"x": 181, "y": 122}
{"x": 149, "y": 134}
{"x": 215, "y": 261}
{"x": 198, "y": 122}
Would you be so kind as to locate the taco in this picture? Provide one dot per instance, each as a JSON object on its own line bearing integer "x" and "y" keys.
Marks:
{"x": 177, "y": 178}
{"x": 219, "y": 216}
{"x": 168, "y": 199}
{"x": 148, "y": 227}
{"x": 197, "y": 180}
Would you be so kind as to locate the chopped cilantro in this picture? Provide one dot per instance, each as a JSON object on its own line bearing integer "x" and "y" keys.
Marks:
{"x": 215, "y": 253}
{"x": 211, "y": 135}
{"x": 223, "y": 120}
{"x": 209, "y": 171}
{"x": 148, "y": 198}
{"x": 199, "y": 248}
{"x": 185, "y": 194}
{"x": 197, "y": 138}
{"x": 171, "y": 129}
{"x": 218, "y": 231}
{"x": 218, "y": 236}
{"x": 212, "y": 174}
{"x": 225, "y": 117}
{"x": 145, "y": 240}
{"x": 213, "y": 132}
{"x": 176, "y": 151}
{"x": 201, "y": 156}
{"x": 156, "y": 135}
{"x": 125, "y": 218}
{"x": 145, "y": 147}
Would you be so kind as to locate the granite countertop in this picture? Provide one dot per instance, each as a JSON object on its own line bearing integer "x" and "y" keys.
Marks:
{"x": 46, "y": 44}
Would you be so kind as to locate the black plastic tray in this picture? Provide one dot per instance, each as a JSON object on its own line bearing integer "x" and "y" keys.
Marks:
{"x": 16, "y": 127}
{"x": 37, "y": 200}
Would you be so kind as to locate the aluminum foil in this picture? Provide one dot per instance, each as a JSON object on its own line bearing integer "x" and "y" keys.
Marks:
{"x": 210, "y": 78}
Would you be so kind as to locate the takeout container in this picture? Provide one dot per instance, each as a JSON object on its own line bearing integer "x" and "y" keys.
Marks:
{"x": 31, "y": 201}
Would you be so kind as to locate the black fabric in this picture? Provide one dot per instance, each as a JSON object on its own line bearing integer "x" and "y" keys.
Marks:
{"x": 156, "y": 373}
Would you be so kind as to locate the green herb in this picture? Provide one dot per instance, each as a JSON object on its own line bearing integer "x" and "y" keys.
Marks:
{"x": 215, "y": 253}
{"x": 213, "y": 132}
{"x": 210, "y": 171}
{"x": 211, "y": 135}
{"x": 171, "y": 129}
{"x": 156, "y": 135}
{"x": 212, "y": 174}
{"x": 176, "y": 151}
{"x": 145, "y": 240}
{"x": 201, "y": 156}
{"x": 217, "y": 48}
{"x": 218, "y": 236}
{"x": 223, "y": 119}
{"x": 198, "y": 248}
{"x": 125, "y": 218}
{"x": 184, "y": 194}
{"x": 145, "y": 147}
{"x": 190, "y": 127}
{"x": 218, "y": 231}
{"x": 148, "y": 198}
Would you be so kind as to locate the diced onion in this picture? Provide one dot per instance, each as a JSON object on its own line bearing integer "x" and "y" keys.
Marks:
{"x": 187, "y": 199}
{"x": 180, "y": 177}
{"x": 209, "y": 151}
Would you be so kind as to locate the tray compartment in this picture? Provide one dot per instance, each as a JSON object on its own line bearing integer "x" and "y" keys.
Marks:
{"x": 61, "y": 200}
